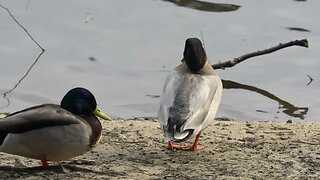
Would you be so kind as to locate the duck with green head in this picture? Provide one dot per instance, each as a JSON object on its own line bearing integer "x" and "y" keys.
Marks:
{"x": 190, "y": 98}
{"x": 50, "y": 132}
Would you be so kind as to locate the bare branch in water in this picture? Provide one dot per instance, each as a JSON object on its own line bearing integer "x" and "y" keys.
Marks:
{"x": 4, "y": 95}
{"x": 231, "y": 63}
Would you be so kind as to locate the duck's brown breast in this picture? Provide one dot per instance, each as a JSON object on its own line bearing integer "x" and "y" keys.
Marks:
{"x": 96, "y": 129}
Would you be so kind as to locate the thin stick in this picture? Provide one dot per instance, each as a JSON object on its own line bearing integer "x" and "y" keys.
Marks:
{"x": 4, "y": 95}
{"x": 203, "y": 43}
{"x": 204, "y": 46}
{"x": 308, "y": 142}
{"x": 231, "y": 63}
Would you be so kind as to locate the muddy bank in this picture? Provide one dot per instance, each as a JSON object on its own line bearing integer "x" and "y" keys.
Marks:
{"x": 133, "y": 149}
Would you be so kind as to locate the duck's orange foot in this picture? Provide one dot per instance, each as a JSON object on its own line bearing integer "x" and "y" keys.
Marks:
{"x": 195, "y": 148}
{"x": 172, "y": 146}
{"x": 44, "y": 162}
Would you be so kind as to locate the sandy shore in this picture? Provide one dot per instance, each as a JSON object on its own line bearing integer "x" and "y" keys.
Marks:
{"x": 133, "y": 149}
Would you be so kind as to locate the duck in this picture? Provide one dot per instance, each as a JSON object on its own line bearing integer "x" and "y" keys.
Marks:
{"x": 51, "y": 132}
{"x": 190, "y": 98}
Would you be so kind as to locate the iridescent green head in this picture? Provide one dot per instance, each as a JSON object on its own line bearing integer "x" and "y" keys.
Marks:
{"x": 82, "y": 102}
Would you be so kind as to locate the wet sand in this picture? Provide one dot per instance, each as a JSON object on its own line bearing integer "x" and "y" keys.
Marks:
{"x": 133, "y": 149}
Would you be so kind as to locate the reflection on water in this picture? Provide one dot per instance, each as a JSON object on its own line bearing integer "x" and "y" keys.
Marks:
{"x": 4, "y": 95}
{"x": 205, "y": 6}
{"x": 288, "y": 108}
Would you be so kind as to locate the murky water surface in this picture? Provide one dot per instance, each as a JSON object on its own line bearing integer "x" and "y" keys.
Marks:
{"x": 123, "y": 50}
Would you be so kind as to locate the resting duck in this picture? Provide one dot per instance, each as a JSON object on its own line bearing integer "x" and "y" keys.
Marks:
{"x": 191, "y": 97}
{"x": 50, "y": 132}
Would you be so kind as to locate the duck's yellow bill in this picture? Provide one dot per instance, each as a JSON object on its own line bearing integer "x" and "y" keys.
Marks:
{"x": 98, "y": 113}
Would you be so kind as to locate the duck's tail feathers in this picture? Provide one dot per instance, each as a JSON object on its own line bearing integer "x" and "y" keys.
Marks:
{"x": 174, "y": 133}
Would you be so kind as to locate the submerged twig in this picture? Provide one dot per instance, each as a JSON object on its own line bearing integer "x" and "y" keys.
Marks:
{"x": 231, "y": 63}
{"x": 4, "y": 95}
{"x": 311, "y": 79}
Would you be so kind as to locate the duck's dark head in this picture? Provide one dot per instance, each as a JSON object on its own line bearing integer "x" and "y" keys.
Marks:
{"x": 194, "y": 54}
{"x": 81, "y": 102}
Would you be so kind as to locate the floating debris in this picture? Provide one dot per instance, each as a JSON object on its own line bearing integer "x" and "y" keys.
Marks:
{"x": 262, "y": 111}
{"x": 153, "y": 96}
{"x": 298, "y": 29}
{"x": 92, "y": 59}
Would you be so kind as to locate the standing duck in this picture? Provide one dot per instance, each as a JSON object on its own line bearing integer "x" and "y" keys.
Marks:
{"x": 191, "y": 97}
{"x": 50, "y": 132}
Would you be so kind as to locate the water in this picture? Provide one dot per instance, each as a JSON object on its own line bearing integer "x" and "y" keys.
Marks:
{"x": 123, "y": 50}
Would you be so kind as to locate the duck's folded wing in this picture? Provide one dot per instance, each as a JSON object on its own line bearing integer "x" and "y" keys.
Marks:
{"x": 36, "y": 118}
{"x": 170, "y": 90}
{"x": 204, "y": 100}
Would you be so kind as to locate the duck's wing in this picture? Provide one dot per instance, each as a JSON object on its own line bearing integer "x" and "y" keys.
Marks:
{"x": 203, "y": 104}
{"x": 36, "y": 118}
{"x": 170, "y": 90}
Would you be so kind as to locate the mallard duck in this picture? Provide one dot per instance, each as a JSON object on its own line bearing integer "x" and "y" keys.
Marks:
{"x": 51, "y": 132}
{"x": 190, "y": 98}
